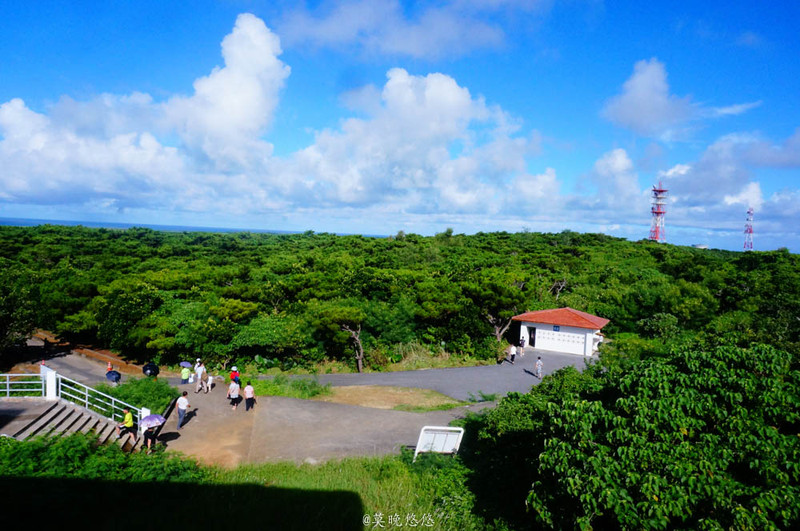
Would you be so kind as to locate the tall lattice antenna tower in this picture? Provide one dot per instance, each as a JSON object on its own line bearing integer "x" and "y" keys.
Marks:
{"x": 659, "y": 209}
{"x": 748, "y": 230}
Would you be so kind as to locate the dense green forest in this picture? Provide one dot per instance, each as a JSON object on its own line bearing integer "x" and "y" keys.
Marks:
{"x": 689, "y": 419}
{"x": 298, "y": 299}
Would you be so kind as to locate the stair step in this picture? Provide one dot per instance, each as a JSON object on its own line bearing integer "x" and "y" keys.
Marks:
{"x": 24, "y": 429}
{"x": 128, "y": 442}
{"x": 63, "y": 418}
{"x": 104, "y": 432}
{"x": 62, "y": 422}
{"x": 90, "y": 425}
{"x": 38, "y": 427}
{"x": 79, "y": 424}
{"x": 73, "y": 422}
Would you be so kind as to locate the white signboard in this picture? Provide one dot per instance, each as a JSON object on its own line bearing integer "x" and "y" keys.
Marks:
{"x": 439, "y": 439}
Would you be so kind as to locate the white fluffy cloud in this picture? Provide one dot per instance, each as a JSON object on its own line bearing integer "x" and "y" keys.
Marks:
{"x": 645, "y": 104}
{"x": 50, "y": 163}
{"x": 232, "y": 106}
{"x": 617, "y": 182}
{"x": 647, "y": 107}
{"x": 107, "y": 150}
{"x": 426, "y": 30}
{"x": 420, "y": 147}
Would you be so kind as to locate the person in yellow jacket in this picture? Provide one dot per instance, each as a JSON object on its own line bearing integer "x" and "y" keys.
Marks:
{"x": 127, "y": 424}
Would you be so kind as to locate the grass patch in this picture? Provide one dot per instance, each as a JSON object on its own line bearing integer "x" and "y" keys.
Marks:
{"x": 413, "y": 356}
{"x": 391, "y": 397}
{"x": 282, "y": 385}
{"x": 482, "y": 397}
{"x": 426, "y": 409}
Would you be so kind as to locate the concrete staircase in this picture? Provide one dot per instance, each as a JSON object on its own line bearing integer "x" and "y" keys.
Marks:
{"x": 61, "y": 418}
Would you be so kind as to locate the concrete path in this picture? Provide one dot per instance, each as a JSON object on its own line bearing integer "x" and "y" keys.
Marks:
{"x": 289, "y": 429}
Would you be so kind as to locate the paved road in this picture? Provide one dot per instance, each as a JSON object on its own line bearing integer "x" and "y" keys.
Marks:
{"x": 464, "y": 383}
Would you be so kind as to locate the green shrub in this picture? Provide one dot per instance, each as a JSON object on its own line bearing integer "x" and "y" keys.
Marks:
{"x": 282, "y": 385}
{"x": 155, "y": 395}
{"x": 79, "y": 456}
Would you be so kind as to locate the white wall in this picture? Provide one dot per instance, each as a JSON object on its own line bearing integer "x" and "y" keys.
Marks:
{"x": 565, "y": 339}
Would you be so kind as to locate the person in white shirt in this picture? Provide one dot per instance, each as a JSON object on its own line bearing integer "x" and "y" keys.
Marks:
{"x": 182, "y": 406}
{"x": 233, "y": 394}
{"x": 202, "y": 383}
{"x": 249, "y": 397}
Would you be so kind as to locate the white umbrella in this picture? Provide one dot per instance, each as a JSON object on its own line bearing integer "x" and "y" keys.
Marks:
{"x": 151, "y": 421}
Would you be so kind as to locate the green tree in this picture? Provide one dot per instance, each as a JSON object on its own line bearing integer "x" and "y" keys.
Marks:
{"x": 341, "y": 320}
{"x": 498, "y": 296}
{"x": 17, "y": 304}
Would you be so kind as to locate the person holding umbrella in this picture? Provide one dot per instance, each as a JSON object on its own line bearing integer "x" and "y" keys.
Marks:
{"x": 113, "y": 377}
{"x": 150, "y": 423}
{"x": 151, "y": 369}
{"x": 150, "y": 438}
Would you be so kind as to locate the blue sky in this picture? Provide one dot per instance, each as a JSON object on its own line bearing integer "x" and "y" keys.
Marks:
{"x": 376, "y": 116}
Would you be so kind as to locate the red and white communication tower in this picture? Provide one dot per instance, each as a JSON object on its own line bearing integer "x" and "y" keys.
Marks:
{"x": 748, "y": 230}
{"x": 659, "y": 209}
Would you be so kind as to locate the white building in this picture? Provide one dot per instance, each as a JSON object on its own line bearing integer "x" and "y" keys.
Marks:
{"x": 561, "y": 330}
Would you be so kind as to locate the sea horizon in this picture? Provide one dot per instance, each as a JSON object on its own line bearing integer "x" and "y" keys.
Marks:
{"x": 31, "y": 222}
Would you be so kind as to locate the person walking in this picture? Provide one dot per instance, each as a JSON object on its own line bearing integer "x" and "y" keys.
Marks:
{"x": 200, "y": 372}
{"x": 205, "y": 380}
{"x": 512, "y": 353}
{"x": 539, "y": 367}
{"x": 249, "y": 397}
{"x": 150, "y": 438}
{"x": 233, "y": 394}
{"x": 522, "y": 346}
{"x": 182, "y": 405}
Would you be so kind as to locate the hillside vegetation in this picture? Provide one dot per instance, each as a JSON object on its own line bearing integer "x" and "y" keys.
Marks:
{"x": 296, "y": 300}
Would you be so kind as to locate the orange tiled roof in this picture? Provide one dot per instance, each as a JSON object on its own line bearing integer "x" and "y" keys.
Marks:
{"x": 564, "y": 317}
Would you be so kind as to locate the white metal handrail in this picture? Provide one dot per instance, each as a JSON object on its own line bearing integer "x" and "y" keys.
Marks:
{"x": 93, "y": 399}
{"x": 10, "y": 385}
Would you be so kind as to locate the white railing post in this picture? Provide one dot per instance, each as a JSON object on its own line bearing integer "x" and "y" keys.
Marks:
{"x": 50, "y": 390}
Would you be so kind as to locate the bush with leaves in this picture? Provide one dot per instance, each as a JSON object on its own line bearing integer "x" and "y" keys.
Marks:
{"x": 79, "y": 456}
{"x": 699, "y": 440}
{"x": 155, "y": 395}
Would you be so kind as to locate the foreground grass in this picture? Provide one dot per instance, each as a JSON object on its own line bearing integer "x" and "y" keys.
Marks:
{"x": 431, "y": 492}
{"x": 351, "y": 494}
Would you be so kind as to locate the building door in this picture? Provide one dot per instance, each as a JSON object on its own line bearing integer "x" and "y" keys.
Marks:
{"x": 532, "y": 337}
